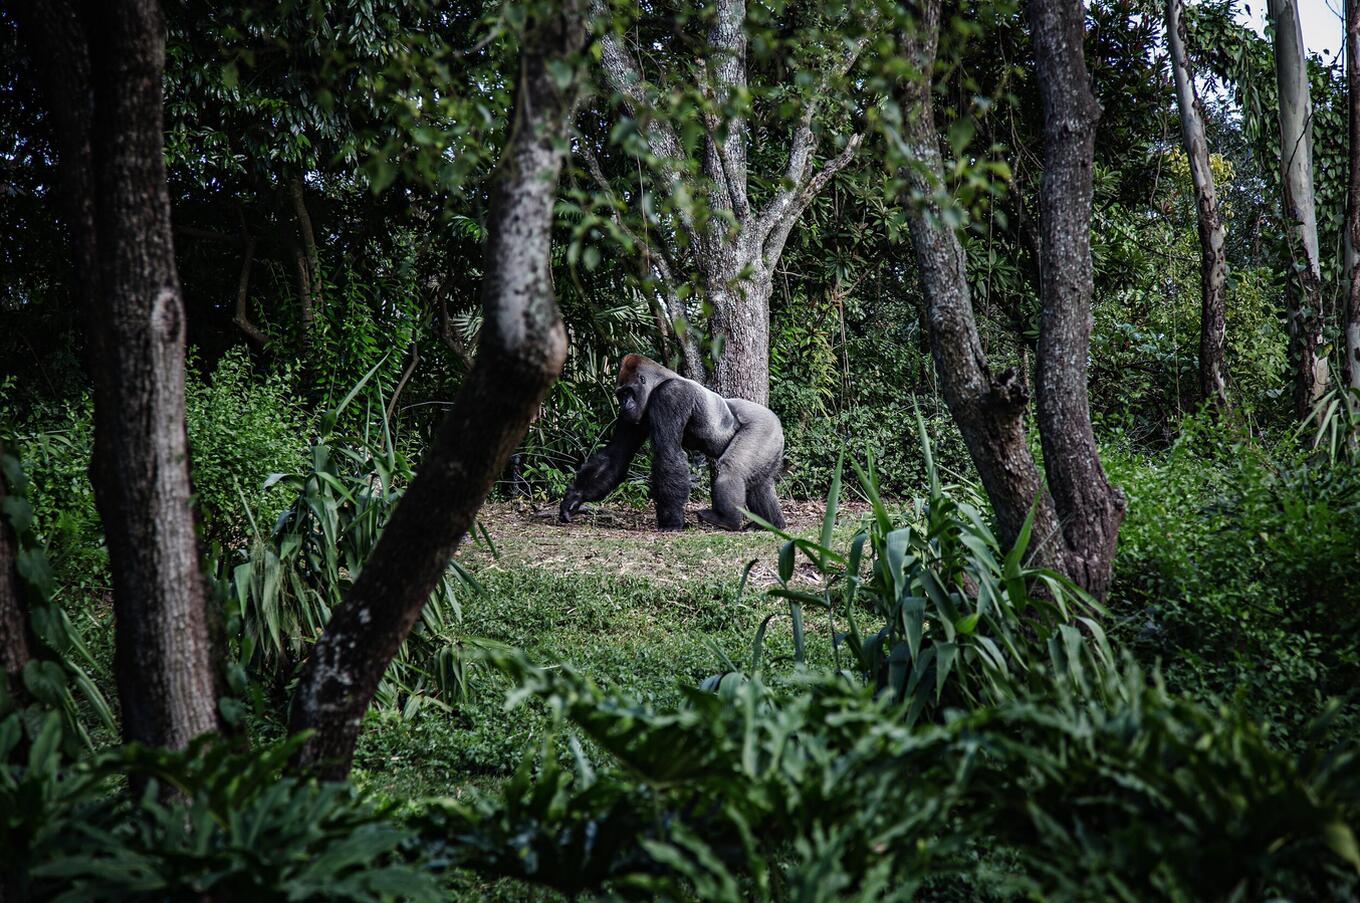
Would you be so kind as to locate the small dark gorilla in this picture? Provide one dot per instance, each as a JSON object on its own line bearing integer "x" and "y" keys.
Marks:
{"x": 744, "y": 440}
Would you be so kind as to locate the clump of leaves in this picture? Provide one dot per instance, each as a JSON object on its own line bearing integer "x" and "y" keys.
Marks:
{"x": 231, "y": 829}
{"x": 826, "y": 793}
{"x": 963, "y": 623}
{"x": 293, "y": 576}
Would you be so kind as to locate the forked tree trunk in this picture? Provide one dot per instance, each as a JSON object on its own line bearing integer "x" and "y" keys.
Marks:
{"x": 519, "y": 355}
{"x": 101, "y": 66}
{"x": 1352, "y": 260}
{"x": 1089, "y": 509}
{"x": 736, "y": 267}
{"x": 989, "y": 410}
{"x": 1297, "y": 202}
{"x": 1213, "y": 386}
{"x": 1077, "y": 515}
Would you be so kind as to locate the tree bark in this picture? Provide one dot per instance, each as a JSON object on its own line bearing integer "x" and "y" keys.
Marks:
{"x": 989, "y": 410}
{"x": 1297, "y": 202}
{"x": 308, "y": 260}
{"x": 1213, "y": 259}
{"x": 520, "y": 352}
{"x": 102, "y": 71}
{"x": 735, "y": 266}
{"x": 1352, "y": 258}
{"x": 15, "y": 648}
{"x": 1089, "y": 509}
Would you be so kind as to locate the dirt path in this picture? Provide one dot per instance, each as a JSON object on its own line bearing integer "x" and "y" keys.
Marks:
{"x": 621, "y": 540}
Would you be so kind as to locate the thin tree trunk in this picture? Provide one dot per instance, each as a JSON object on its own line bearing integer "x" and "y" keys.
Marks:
{"x": 1089, "y": 509}
{"x": 520, "y": 353}
{"x": 241, "y": 316}
{"x": 412, "y": 360}
{"x": 989, "y": 411}
{"x": 1352, "y": 260}
{"x": 309, "y": 260}
{"x": 1213, "y": 259}
{"x": 1297, "y": 200}
{"x": 102, "y": 69}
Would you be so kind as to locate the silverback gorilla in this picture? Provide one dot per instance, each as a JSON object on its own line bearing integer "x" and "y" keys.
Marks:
{"x": 743, "y": 438}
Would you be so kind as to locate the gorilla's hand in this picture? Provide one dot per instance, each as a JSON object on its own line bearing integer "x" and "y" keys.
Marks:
{"x": 571, "y": 503}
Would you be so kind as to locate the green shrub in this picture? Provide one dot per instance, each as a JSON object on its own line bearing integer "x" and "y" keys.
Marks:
{"x": 813, "y": 447}
{"x": 241, "y": 429}
{"x": 1237, "y": 568}
{"x": 284, "y": 584}
{"x": 232, "y": 829}
{"x": 964, "y": 623}
{"x": 825, "y": 793}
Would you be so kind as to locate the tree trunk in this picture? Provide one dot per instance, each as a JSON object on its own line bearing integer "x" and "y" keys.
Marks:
{"x": 308, "y": 261}
{"x": 989, "y": 411}
{"x": 1213, "y": 259}
{"x": 1296, "y": 185}
{"x": 520, "y": 353}
{"x": 15, "y": 648}
{"x": 102, "y": 69}
{"x": 1352, "y": 261}
{"x": 741, "y": 318}
{"x": 1088, "y": 507}
{"x": 241, "y": 315}
{"x": 735, "y": 267}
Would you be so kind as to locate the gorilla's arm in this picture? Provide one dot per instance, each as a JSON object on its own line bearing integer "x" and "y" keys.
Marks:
{"x": 605, "y": 469}
{"x": 669, "y": 411}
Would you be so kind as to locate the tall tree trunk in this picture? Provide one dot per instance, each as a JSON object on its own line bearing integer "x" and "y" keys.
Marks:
{"x": 1089, "y": 509}
{"x": 308, "y": 261}
{"x": 1352, "y": 260}
{"x": 15, "y": 648}
{"x": 989, "y": 410}
{"x": 1296, "y": 186}
{"x": 102, "y": 68}
{"x": 1213, "y": 259}
{"x": 520, "y": 353}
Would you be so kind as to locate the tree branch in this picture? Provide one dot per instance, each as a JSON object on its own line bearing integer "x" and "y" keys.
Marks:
{"x": 726, "y": 76}
{"x": 797, "y": 175}
{"x": 242, "y": 315}
{"x": 778, "y": 234}
{"x": 412, "y": 359}
{"x": 625, "y": 80}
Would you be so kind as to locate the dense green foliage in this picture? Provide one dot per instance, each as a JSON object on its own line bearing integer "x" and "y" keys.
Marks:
{"x": 880, "y": 702}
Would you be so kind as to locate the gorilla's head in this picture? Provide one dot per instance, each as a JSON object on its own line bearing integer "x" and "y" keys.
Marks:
{"x": 638, "y": 375}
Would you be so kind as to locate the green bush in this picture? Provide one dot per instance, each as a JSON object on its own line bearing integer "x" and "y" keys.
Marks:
{"x": 1238, "y": 565}
{"x": 242, "y": 428}
{"x": 232, "y": 828}
{"x": 284, "y": 583}
{"x": 964, "y": 623}
{"x": 813, "y": 447}
{"x": 825, "y": 793}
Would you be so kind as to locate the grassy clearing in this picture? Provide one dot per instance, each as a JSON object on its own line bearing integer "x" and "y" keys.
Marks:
{"x": 637, "y": 610}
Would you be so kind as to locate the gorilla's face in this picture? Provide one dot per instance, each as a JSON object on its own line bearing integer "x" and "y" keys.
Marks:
{"x": 629, "y": 408}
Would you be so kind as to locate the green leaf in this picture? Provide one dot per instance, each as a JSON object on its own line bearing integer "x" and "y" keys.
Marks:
{"x": 46, "y": 681}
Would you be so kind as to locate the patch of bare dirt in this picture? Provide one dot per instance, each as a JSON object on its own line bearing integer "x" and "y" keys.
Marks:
{"x": 621, "y": 540}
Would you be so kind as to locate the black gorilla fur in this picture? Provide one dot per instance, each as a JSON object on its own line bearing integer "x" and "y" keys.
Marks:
{"x": 744, "y": 439}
